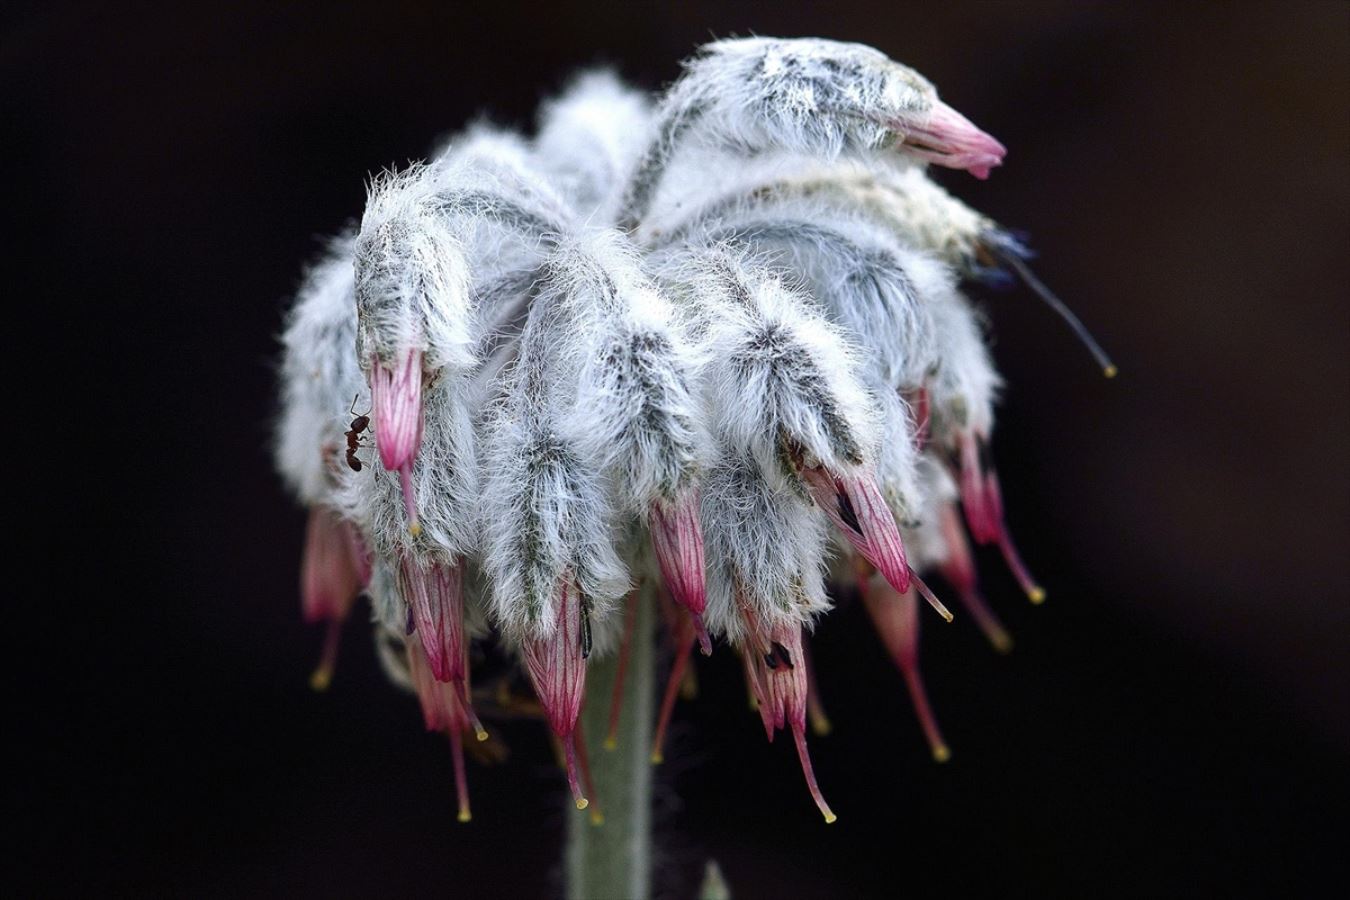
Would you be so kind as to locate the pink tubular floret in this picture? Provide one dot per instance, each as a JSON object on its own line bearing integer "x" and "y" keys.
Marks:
{"x": 557, "y": 669}
{"x": 775, "y": 668}
{"x": 855, "y": 505}
{"x": 396, "y": 395}
{"x": 435, "y": 595}
{"x": 949, "y": 139}
{"x": 334, "y": 569}
{"x": 677, "y": 538}
{"x": 397, "y": 398}
{"x": 895, "y": 616}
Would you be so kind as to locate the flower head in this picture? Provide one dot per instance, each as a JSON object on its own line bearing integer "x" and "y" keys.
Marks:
{"x": 670, "y": 342}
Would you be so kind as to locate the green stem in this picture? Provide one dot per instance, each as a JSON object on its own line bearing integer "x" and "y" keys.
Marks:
{"x": 613, "y": 861}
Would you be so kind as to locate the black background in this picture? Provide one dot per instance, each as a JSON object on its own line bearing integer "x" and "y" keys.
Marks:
{"x": 1173, "y": 720}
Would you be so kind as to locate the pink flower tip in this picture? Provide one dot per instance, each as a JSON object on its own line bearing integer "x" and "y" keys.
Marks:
{"x": 855, "y": 505}
{"x": 677, "y": 538}
{"x": 949, "y": 139}
{"x": 557, "y": 667}
{"x": 435, "y": 597}
{"x": 330, "y": 572}
{"x": 396, "y": 394}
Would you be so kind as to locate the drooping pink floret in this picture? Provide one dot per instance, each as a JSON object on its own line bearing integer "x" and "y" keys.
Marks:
{"x": 557, "y": 667}
{"x": 855, "y": 505}
{"x": 959, "y": 571}
{"x": 775, "y": 669}
{"x": 895, "y": 615}
{"x": 950, "y": 139}
{"x": 334, "y": 570}
{"x": 982, "y": 499}
{"x": 677, "y": 538}
{"x": 396, "y": 394}
{"x": 435, "y": 597}
{"x": 445, "y": 707}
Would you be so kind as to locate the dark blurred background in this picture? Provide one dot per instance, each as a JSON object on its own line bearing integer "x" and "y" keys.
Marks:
{"x": 1175, "y": 718}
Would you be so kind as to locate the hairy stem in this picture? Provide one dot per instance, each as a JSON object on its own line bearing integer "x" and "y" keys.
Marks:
{"x": 613, "y": 860}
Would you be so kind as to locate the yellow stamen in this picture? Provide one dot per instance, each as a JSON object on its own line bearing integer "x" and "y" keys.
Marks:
{"x": 1110, "y": 371}
{"x": 657, "y": 757}
{"x": 1036, "y": 595}
{"x": 1002, "y": 641}
{"x": 611, "y": 743}
{"x": 322, "y": 677}
{"x": 830, "y": 818}
{"x": 941, "y": 753}
{"x": 465, "y": 816}
{"x": 582, "y": 803}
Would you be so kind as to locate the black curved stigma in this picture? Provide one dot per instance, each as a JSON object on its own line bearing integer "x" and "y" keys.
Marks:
{"x": 585, "y": 627}
{"x": 847, "y": 513}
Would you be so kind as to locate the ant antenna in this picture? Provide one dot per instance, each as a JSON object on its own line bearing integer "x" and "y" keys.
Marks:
{"x": 1010, "y": 258}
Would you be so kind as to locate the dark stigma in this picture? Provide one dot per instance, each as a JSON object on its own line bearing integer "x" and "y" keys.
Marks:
{"x": 585, "y": 627}
{"x": 847, "y": 513}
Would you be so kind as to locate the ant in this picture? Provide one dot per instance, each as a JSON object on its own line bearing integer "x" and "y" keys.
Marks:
{"x": 354, "y": 439}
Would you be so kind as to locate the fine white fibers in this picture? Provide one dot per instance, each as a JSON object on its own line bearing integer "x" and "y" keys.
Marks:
{"x": 590, "y": 136}
{"x": 927, "y": 216}
{"x": 635, "y": 411}
{"x": 807, "y": 96}
{"x": 897, "y": 458}
{"x": 445, "y": 481}
{"x": 320, "y": 377}
{"x": 964, "y": 384}
{"x": 764, "y": 544}
{"x": 868, "y": 282}
{"x": 924, "y": 543}
{"x": 701, "y": 296}
{"x": 547, "y": 517}
{"x": 778, "y": 377}
{"x": 412, "y": 281}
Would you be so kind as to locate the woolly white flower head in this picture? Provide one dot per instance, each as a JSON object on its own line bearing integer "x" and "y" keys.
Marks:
{"x": 685, "y": 339}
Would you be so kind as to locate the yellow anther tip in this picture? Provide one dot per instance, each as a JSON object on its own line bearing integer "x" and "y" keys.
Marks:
{"x": 582, "y": 803}
{"x": 1003, "y": 642}
{"x": 597, "y": 818}
{"x": 320, "y": 680}
{"x": 611, "y": 743}
{"x": 821, "y": 727}
{"x": 1110, "y": 371}
{"x": 1036, "y": 595}
{"x": 658, "y": 758}
{"x": 941, "y": 753}
{"x": 465, "y": 816}
{"x": 830, "y": 818}
{"x": 415, "y": 529}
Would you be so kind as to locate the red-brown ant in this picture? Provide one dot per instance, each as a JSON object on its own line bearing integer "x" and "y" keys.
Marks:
{"x": 359, "y": 424}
